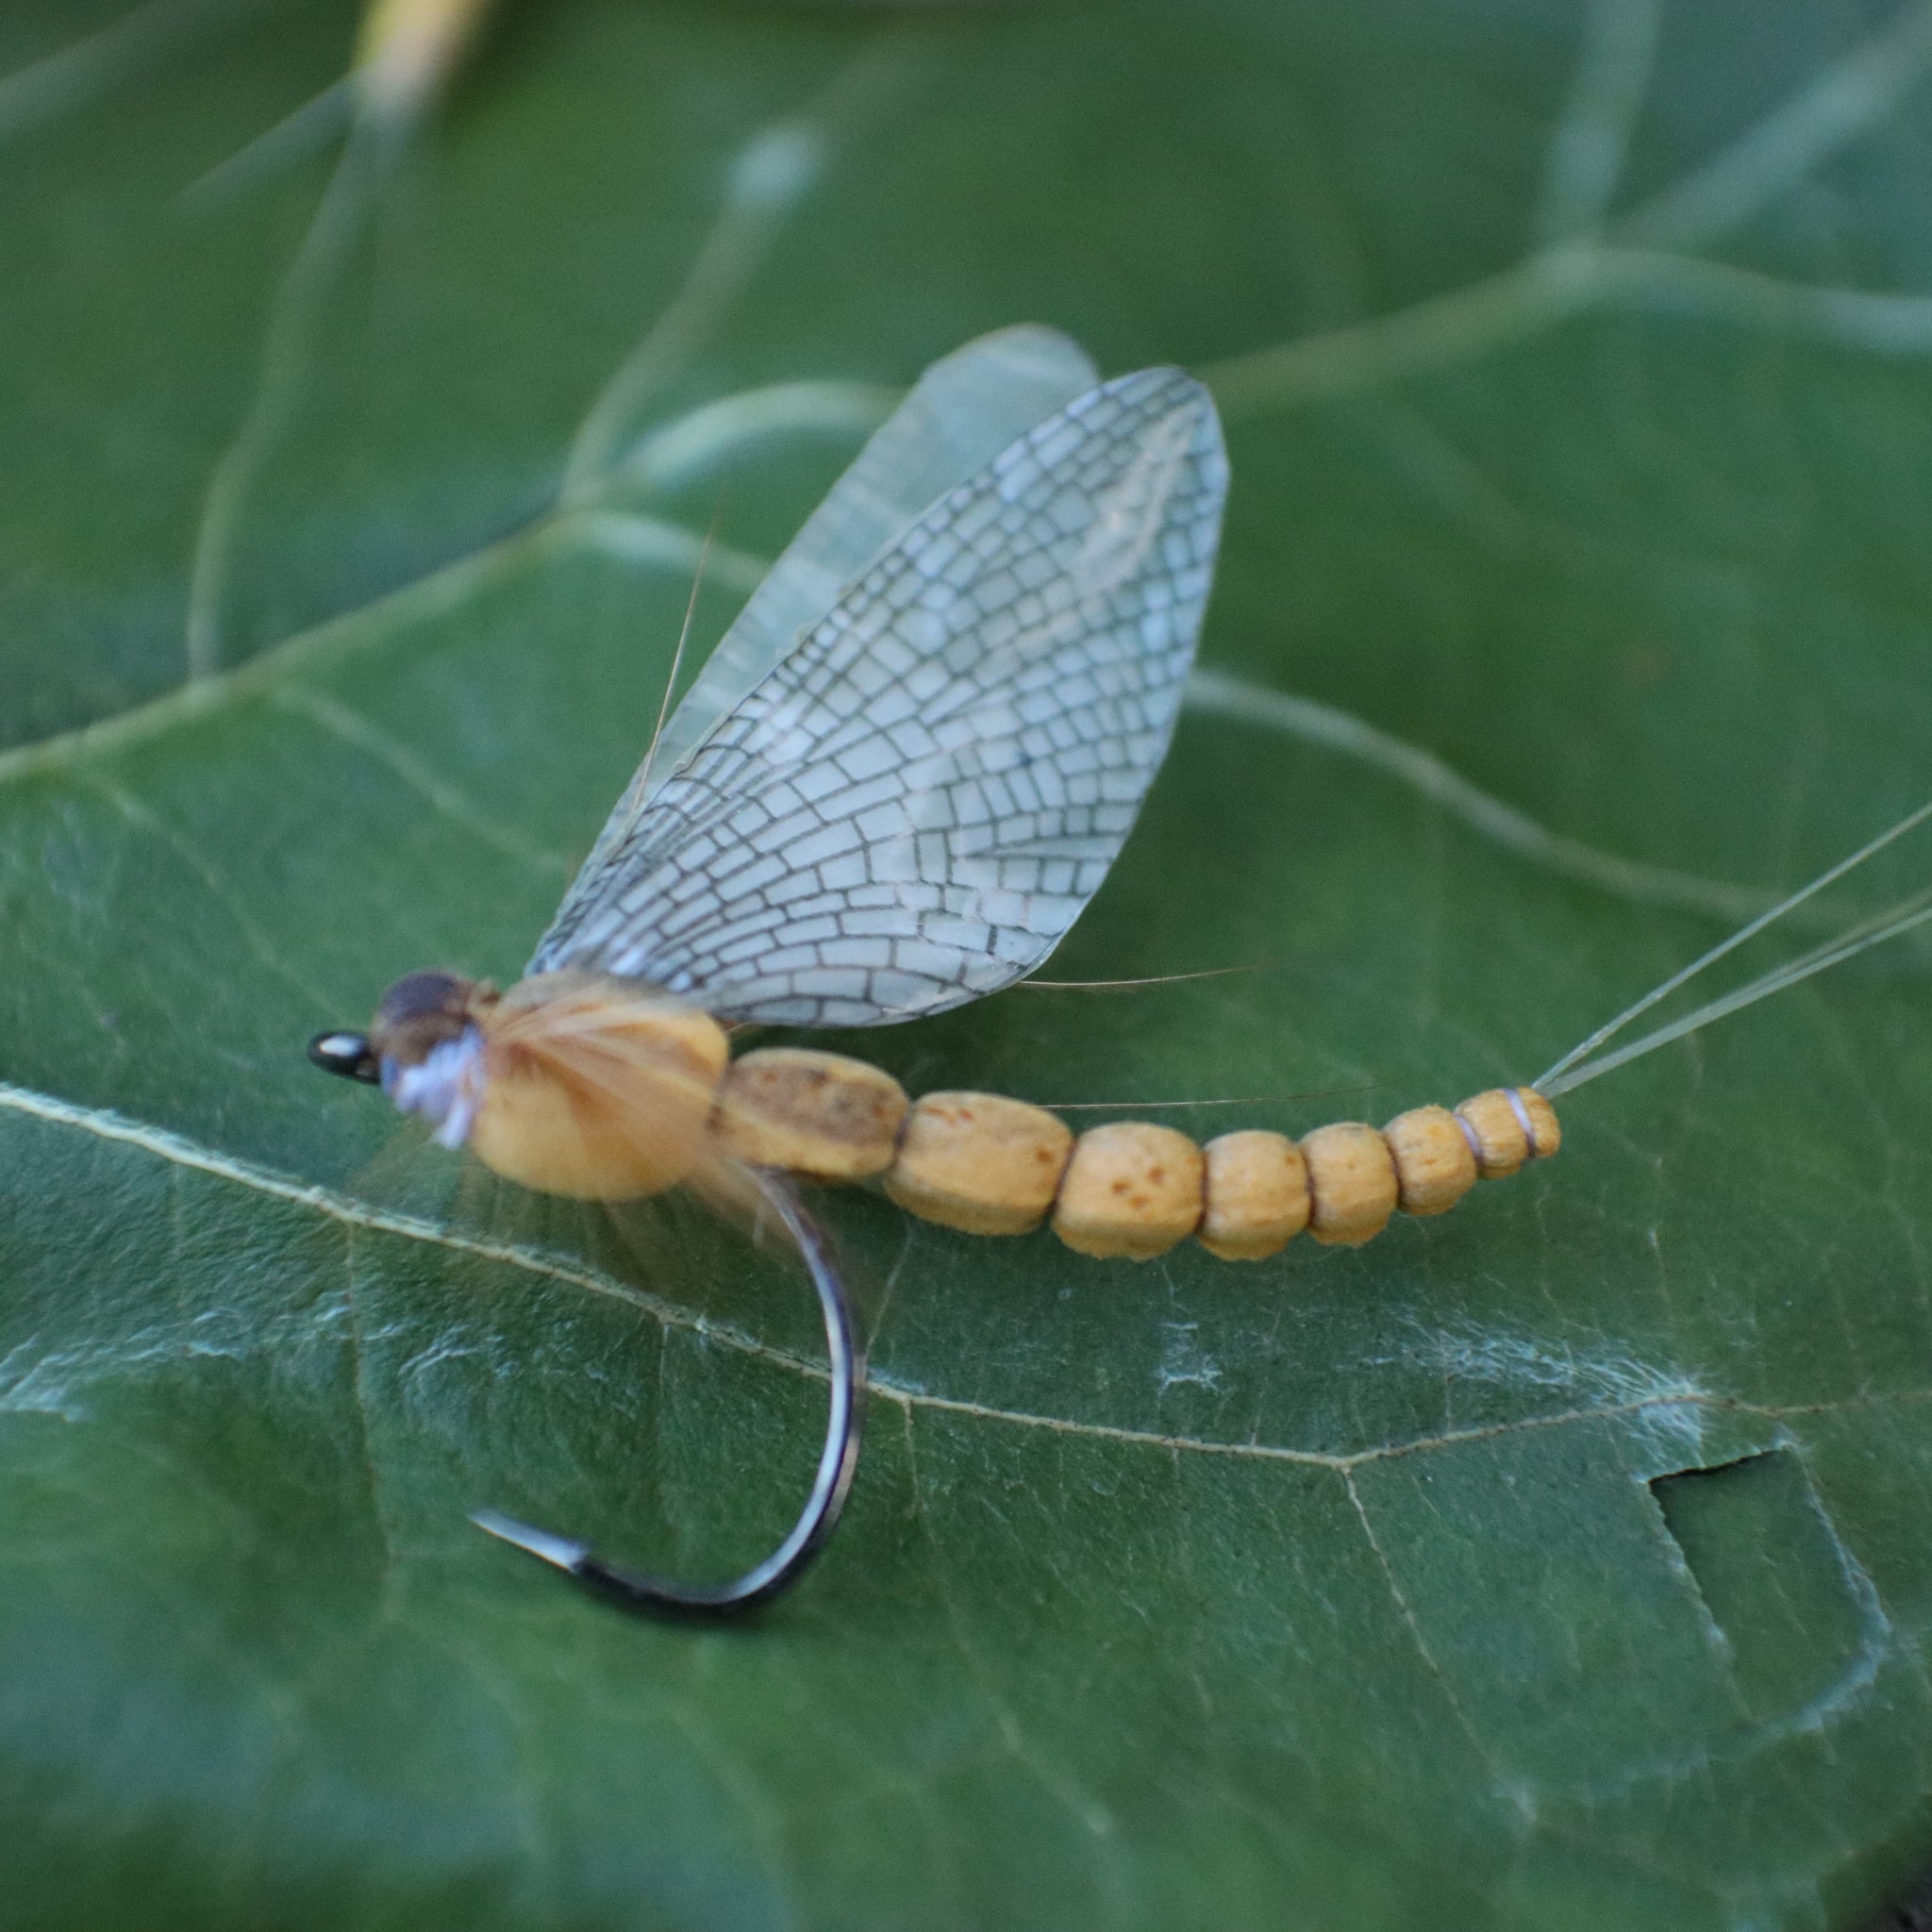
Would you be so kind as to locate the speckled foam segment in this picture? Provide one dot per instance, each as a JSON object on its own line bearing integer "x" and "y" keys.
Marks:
{"x": 912, "y": 808}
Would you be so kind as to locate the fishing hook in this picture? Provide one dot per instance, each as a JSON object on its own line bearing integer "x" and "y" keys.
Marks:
{"x": 641, "y": 1590}
{"x": 349, "y": 1054}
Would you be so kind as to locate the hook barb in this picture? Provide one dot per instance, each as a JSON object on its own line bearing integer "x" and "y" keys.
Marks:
{"x": 652, "y": 1595}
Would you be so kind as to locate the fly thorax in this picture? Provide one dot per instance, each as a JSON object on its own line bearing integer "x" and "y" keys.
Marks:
{"x": 596, "y": 1087}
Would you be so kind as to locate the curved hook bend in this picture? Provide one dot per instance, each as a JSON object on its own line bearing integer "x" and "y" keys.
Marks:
{"x": 637, "y": 1589}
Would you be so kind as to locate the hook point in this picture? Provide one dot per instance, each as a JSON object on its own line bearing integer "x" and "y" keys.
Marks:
{"x": 565, "y": 1552}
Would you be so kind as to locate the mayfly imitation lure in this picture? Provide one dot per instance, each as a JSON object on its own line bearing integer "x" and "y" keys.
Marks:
{"x": 903, "y": 772}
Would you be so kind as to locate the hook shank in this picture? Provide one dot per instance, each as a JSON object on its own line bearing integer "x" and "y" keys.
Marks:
{"x": 639, "y": 1590}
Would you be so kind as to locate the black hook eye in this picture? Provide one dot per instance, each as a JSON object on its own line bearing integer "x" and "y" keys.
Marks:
{"x": 346, "y": 1054}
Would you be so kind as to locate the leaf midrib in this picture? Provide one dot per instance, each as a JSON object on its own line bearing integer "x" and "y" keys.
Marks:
{"x": 163, "y": 1144}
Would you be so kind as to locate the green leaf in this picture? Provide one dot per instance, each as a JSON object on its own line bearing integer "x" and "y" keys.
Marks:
{"x": 1558, "y": 1564}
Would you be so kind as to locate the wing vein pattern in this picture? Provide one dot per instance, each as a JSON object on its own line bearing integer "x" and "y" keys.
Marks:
{"x": 913, "y": 806}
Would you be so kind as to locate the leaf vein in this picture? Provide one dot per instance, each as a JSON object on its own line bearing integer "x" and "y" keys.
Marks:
{"x": 454, "y": 803}
{"x": 163, "y": 1144}
{"x": 1222, "y": 695}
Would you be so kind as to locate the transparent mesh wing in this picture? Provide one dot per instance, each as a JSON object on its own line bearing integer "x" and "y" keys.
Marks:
{"x": 966, "y": 408}
{"x": 912, "y": 808}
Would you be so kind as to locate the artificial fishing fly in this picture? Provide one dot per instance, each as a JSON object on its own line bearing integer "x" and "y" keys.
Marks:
{"x": 897, "y": 781}
{"x": 900, "y": 776}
